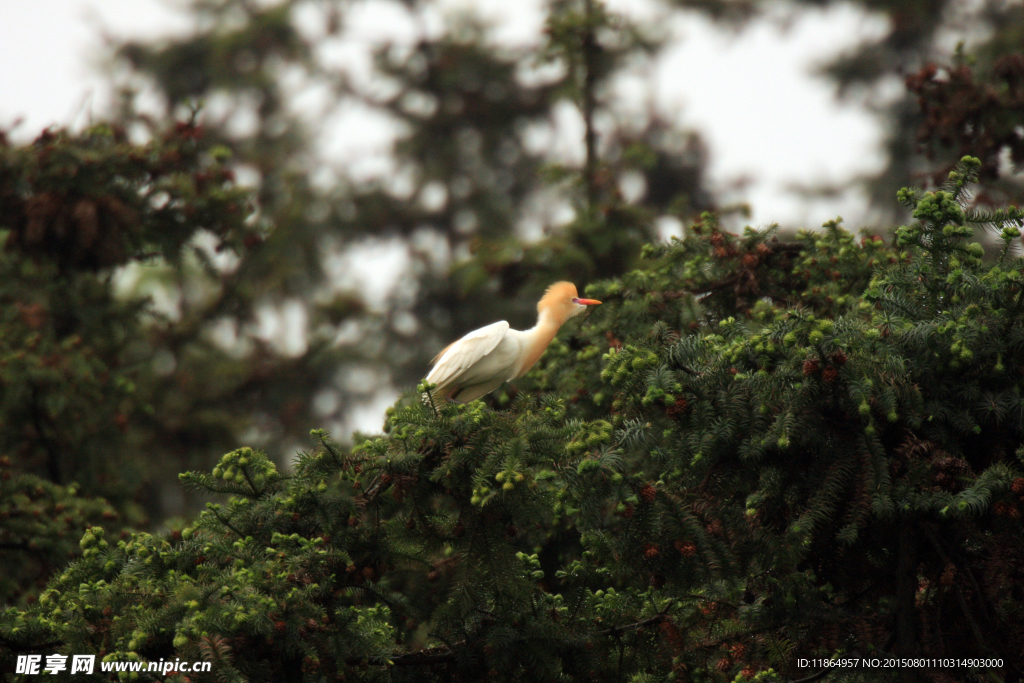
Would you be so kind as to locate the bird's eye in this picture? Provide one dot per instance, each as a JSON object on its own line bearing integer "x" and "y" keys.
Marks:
{"x": 575, "y": 300}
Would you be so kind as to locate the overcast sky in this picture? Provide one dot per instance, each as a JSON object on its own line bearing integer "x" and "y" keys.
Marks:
{"x": 765, "y": 116}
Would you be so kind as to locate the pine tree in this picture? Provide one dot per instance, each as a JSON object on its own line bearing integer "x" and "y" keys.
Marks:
{"x": 40, "y": 524}
{"x": 967, "y": 107}
{"x": 77, "y": 378}
{"x": 921, "y": 141}
{"x": 800, "y": 449}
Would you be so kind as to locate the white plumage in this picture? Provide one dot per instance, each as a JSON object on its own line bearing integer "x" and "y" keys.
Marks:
{"x": 484, "y": 359}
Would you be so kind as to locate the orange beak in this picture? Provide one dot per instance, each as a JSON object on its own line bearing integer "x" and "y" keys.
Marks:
{"x": 588, "y": 302}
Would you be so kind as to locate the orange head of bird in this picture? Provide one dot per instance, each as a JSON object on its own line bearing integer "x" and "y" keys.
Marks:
{"x": 562, "y": 301}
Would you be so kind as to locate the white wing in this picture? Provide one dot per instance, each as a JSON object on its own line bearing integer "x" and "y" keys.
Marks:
{"x": 465, "y": 352}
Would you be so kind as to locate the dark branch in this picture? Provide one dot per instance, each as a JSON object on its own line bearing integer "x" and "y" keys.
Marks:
{"x": 33, "y": 647}
{"x": 815, "y": 676}
{"x": 656, "y": 619}
{"x": 421, "y": 658}
{"x": 226, "y": 522}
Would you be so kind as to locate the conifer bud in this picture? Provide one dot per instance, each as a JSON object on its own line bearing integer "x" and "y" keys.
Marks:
{"x": 686, "y": 548}
{"x": 648, "y": 493}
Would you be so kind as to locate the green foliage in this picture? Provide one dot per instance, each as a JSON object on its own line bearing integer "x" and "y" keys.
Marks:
{"x": 39, "y": 527}
{"x": 78, "y": 378}
{"x": 759, "y": 467}
{"x": 73, "y": 208}
{"x": 93, "y": 201}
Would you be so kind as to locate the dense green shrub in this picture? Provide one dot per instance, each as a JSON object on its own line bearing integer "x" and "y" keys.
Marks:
{"x": 755, "y": 451}
{"x": 84, "y": 408}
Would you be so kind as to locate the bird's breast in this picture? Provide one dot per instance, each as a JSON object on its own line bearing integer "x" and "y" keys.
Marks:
{"x": 531, "y": 346}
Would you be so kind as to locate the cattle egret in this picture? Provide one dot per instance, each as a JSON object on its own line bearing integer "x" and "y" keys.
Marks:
{"x": 486, "y": 358}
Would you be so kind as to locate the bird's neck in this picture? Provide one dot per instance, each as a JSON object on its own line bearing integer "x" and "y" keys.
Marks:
{"x": 538, "y": 338}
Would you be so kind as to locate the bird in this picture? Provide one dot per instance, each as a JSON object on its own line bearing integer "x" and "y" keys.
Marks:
{"x": 484, "y": 359}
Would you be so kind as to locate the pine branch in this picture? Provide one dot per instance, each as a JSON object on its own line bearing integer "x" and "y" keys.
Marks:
{"x": 248, "y": 479}
{"x": 790, "y": 248}
{"x": 421, "y": 658}
{"x": 816, "y": 676}
{"x": 618, "y": 630}
{"x": 445, "y": 656}
{"x": 715, "y": 286}
{"x": 34, "y": 647}
{"x": 975, "y": 628}
{"x": 1013, "y": 317}
{"x": 826, "y": 671}
{"x": 225, "y": 522}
